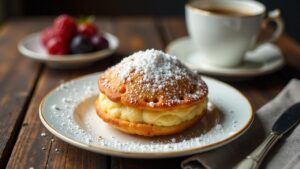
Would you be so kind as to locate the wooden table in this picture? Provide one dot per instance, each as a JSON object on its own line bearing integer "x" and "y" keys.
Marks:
{"x": 23, "y": 83}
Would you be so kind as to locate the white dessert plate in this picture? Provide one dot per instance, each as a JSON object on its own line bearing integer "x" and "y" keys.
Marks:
{"x": 31, "y": 47}
{"x": 265, "y": 59}
{"x": 69, "y": 113}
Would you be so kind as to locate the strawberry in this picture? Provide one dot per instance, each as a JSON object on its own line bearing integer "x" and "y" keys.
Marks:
{"x": 57, "y": 46}
{"x": 46, "y": 35}
{"x": 65, "y": 27}
{"x": 87, "y": 29}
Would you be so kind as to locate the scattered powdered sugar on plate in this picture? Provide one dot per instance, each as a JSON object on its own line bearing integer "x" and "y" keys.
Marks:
{"x": 66, "y": 104}
{"x": 171, "y": 146}
{"x": 58, "y": 112}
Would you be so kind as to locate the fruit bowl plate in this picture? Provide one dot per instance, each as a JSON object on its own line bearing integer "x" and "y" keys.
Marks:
{"x": 32, "y": 48}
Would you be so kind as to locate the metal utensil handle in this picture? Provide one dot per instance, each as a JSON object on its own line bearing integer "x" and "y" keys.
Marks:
{"x": 254, "y": 160}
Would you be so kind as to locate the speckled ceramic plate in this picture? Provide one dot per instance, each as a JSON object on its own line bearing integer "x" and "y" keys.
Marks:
{"x": 31, "y": 47}
{"x": 68, "y": 112}
{"x": 265, "y": 59}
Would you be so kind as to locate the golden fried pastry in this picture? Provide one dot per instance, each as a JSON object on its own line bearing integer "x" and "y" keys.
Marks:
{"x": 151, "y": 93}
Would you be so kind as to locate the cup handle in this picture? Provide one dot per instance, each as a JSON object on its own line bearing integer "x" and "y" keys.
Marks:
{"x": 273, "y": 16}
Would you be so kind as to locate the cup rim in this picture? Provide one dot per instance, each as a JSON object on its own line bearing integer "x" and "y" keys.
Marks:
{"x": 191, "y": 6}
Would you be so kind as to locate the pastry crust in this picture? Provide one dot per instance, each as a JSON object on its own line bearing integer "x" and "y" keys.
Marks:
{"x": 144, "y": 129}
{"x": 155, "y": 83}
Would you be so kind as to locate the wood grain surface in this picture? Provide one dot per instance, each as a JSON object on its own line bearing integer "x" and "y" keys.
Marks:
{"x": 18, "y": 78}
{"x": 23, "y": 84}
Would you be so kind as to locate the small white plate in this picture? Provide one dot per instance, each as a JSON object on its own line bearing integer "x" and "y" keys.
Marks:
{"x": 31, "y": 47}
{"x": 69, "y": 113}
{"x": 266, "y": 59}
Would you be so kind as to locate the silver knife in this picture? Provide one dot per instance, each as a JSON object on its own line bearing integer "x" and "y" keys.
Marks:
{"x": 283, "y": 124}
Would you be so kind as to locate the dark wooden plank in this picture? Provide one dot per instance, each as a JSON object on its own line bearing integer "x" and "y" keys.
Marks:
{"x": 124, "y": 163}
{"x": 34, "y": 150}
{"x": 291, "y": 49}
{"x": 136, "y": 34}
{"x": 171, "y": 28}
{"x": 18, "y": 76}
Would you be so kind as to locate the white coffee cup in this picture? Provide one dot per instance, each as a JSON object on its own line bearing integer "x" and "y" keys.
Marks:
{"x": 224, "y": 30}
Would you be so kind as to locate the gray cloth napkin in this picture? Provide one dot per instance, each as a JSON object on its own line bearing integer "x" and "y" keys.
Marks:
{"x": 285, "y": 155}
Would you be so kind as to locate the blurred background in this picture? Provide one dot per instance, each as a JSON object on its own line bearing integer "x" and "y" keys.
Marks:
{"x": 16, "y": 8}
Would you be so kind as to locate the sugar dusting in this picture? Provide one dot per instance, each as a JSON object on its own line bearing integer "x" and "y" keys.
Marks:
{"x": 152, "y": 64}
{"x": 158, "y": 71}
{"x": 76, "y": 92}
{"x": 65, "y": 106}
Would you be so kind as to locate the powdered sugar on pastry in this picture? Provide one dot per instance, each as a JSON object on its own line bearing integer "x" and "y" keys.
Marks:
{"x": 158, "y": 79}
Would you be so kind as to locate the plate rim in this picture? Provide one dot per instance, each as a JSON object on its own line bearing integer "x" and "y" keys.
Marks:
{"x": 258, "y": 72}
{"x": 146, "y": 155}
{"x": 68, "y": 58}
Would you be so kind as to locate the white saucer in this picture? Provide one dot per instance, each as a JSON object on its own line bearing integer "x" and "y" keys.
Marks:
{"x": 31, "y": 47}
{"x": 69, "y": 113}
{"x": 266, "y": 59}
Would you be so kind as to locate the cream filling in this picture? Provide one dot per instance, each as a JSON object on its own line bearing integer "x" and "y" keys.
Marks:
{"x": 165, "y": 118}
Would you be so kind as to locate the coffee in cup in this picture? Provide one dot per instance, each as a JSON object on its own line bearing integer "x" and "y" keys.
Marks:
{"x": 222, "y": 31}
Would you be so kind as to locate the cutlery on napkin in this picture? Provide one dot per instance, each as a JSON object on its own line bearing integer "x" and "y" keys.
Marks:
{"x": 285, "y": 155}
{"x": 283, "y": 124}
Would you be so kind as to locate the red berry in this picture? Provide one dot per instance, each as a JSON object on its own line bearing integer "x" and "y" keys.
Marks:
{"x": 65, "y": 27}
{"x": 56, "y": 46}
{"x": 87, "y": 29}
{"x": 46, "y": 35}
